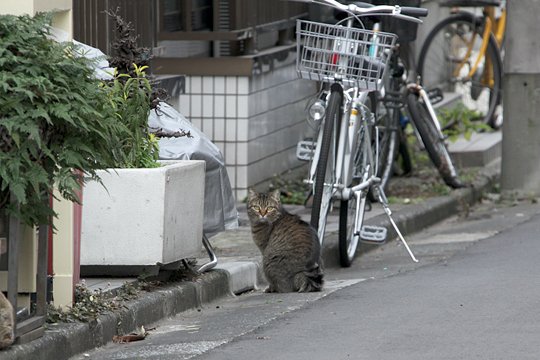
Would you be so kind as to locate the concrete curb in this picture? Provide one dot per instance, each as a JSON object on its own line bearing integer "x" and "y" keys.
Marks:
{"x": 66, "y": 340}
{"x": 434, "y": 210}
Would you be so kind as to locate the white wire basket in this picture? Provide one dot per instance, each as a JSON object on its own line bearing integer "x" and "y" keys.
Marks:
{"x": 357, "y": 57}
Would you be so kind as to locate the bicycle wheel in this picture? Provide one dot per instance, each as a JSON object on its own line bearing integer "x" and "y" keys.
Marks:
{"x": 435, "y": 146}
{"x": 447, "y": 57}
{"x": 386, "y": 123}
{"x": 348, "y": 221}
{"x": 324, "y": 174}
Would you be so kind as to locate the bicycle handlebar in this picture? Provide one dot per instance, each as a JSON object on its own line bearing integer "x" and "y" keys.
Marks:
{"x": 365, "y": 9}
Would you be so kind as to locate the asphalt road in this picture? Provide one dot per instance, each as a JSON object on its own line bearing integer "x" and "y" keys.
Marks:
{"x": 474, "y": 295}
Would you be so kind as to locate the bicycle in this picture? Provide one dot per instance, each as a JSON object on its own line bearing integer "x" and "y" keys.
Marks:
{"x": 462, "y": 54}
{"x": 405, "y": 95}
{"x": 344, "y": 160}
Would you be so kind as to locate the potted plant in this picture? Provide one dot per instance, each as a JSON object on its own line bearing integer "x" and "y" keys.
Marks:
{"x": 148, "y": 212}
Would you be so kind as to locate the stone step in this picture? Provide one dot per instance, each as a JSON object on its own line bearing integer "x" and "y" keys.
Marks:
{"x": 479, "y": 150}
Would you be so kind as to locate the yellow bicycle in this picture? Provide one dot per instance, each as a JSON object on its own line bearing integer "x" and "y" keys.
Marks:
{"x": 461, "y": 56}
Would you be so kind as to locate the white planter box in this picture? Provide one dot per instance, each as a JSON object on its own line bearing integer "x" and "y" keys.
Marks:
{"x": 142, "y": 218}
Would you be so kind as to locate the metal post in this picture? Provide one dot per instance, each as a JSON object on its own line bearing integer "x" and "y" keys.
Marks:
{"x": 41, "y": 276}
{"x": 521, "y": 98}
{"x": 14, "y": 237}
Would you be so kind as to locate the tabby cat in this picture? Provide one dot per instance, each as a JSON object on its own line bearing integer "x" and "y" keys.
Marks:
{"x": 291, "y": 253}
{"x": 6, "y": 322}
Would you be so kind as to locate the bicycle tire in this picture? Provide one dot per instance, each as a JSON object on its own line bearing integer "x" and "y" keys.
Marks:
{"x": 387, "y": 121}
{"x": 348, "y": 240}
{"x": 435, "y": 146}
{"x": 436, "y": 65}
{"x": 323, "y": 173}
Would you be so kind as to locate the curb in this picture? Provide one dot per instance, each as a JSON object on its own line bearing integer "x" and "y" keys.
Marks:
{"x": 228, "y": 278}
{"x": 434, "y": 210}
{"x": 66, "y": 340}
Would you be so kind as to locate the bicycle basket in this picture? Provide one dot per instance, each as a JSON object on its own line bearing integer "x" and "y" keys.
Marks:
{"x": 357, "y": 57}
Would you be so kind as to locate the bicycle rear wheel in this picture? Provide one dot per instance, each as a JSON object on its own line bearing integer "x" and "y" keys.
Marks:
{"x": 324, "y": 176}
{"x": 447, "y": 57}
{"x": 435, "y": 146}
{"x": 387, "y": 125}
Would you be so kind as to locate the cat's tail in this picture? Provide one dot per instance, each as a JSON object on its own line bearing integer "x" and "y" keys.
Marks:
{"x": 310, "y": 280}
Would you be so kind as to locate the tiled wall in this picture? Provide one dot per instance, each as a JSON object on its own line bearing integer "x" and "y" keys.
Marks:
{"x": 256, "y": 121}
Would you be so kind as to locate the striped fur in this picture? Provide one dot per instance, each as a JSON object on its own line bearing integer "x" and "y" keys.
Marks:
{"x": 290, "y": 248}
{"x": 7, "y": 335}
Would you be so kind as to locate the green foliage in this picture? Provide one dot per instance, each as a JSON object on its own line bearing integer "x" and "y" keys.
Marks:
{"x": 58, "y": 124}
{"x": 129, "y": 97}
{"x": 56, "y": 121}
{"x": 460, "y": 120}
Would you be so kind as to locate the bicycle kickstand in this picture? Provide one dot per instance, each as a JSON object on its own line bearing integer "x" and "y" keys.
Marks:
{"x": 384, "y": 201}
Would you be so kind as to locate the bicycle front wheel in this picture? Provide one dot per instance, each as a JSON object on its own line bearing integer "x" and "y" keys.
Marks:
{"x": 351, "y": 211}
{"x": 434, "y": 144}
{"x": 323, "y": 188}
{"x": 448, "y": 58}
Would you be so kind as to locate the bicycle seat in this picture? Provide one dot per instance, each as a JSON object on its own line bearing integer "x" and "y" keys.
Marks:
{"x": 471, "y": 3}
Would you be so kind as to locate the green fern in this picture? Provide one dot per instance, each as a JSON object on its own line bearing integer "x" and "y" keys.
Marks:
{"x": 57, "y": 122}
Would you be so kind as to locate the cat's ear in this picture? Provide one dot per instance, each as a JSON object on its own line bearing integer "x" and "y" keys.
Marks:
{"x": 275, "y": 195}
{"x": 251, "y": 194}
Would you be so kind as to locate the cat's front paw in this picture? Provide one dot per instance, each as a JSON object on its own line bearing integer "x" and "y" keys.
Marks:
{"x": 269, "y": 290}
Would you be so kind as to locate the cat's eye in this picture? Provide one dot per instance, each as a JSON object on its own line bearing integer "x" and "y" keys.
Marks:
{"x": 270, "y": 208}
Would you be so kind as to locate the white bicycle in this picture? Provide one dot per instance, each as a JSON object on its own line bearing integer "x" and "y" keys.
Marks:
{"x": 351, "y": 62}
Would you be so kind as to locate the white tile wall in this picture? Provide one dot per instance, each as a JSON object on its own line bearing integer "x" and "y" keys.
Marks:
{"x": 219, "y": 85}
{"x": 241, "y": 177}
{"x": 243, "y": 85}
{"x": 242, "y": 106}
{"x": 230, "y": 84}
{"x": 230, "y": 130}
{"x": 247, "y": 117}
{"x": 196, "y": 106}
{"x": 242, "y": 153}
{"x": 196, "y": 85}
{"x": 219, "y": 129}
{"x": 219, "y": 105}
{"x": 208, "y": 106}
{"x": 242, "y": 131}
{"x": 230, "y": 106}
{"x": 185, "y": 106}
{"x": 207, "y": 85}
{"x": 230, "y": 153}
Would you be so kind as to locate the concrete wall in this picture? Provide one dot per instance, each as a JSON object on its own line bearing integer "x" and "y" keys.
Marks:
{"x": 520, "y": 168}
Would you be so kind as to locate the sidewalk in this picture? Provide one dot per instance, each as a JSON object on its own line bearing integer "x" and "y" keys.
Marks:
{"x": 237, "y": 271}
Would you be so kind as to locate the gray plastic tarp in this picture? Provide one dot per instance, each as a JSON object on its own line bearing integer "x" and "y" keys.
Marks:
{"x": 219, "y": 203}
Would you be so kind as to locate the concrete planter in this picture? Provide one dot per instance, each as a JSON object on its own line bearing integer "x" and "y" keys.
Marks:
{"x": 142, "y": 218}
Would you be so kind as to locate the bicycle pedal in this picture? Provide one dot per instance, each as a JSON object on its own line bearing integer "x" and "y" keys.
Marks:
{"x": 305, "y": 150}
{"x": 373, "y": 234}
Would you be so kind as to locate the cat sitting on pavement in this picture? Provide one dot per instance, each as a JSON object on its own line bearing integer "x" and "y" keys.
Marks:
{"x": 290, "y": 248}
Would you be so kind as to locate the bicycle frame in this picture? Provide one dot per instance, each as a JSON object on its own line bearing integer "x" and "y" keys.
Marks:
{"x": 354, "y": 116}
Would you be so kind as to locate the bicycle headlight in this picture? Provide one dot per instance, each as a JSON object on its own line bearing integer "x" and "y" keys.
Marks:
{"x": 316, "y": 110}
